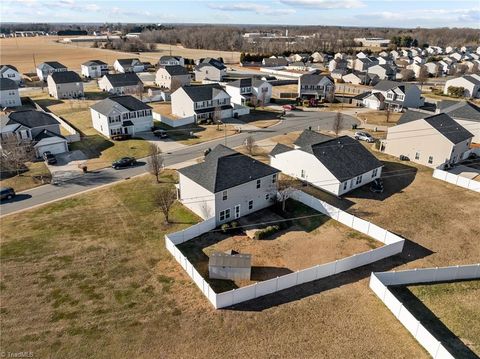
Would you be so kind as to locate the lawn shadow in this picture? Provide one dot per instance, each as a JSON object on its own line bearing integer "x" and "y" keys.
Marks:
{"x": 95, "y": 95}
{"x": 17, "y": 198}
{"x": 92, "y": 146}
{"x": 266, "y": 272}
{"x": 412, "y": 251}
{"x": 45, "y": 102}
{"x": 432, "y": 323}
{"x": 396, "y": 176}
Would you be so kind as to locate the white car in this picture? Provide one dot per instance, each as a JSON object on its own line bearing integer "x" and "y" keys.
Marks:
{"x": 364, "y": 136}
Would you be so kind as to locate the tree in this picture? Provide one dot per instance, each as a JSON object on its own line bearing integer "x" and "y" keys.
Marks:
{"x": 250, "y": 145}
{"x": 461, "y": 69}
{"x": 165, "y": 198}
{"x": 337, "y": 123}
{"x": 422, "y": 76}
{"x": 15, "y": 153}
{"x": 475, "y": 68}
{"x": 285, "y": 190}
{"x": 217, "y": 117}
{"x": 155, "y": 161}
{"x": 407, "y": 75}
{"x": 388, "y": 113}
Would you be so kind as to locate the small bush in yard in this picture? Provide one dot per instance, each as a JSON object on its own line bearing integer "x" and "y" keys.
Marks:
{"x": 264, "y": 233}
{"x": 225, "y": 227}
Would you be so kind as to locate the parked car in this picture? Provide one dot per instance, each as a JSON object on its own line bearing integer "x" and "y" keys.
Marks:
{"x": 124, "y": 162}
{"x": 377, "y": 186}
{"x": 121, "y": 137}
{"x": 289, "y": 107}
{"x": 160, "y": 133}
{"x": 6, "y": 193}
{"x": 364, "y": 136}
{"x": 49, "y": 158}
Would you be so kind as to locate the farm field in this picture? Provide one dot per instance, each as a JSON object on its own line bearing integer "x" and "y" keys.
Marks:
{"x": 103, "y": 285}
{"x": 23, "y": 53}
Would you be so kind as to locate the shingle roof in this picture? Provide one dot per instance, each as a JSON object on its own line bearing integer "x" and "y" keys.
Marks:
{"x": 120, "y": 80}
{"x": 472, "y": 79}
{"x": 127, "y": 62}
{"x": 46, "y": 134}
{"x": 246, "y": 82}
{"x": 5, "y": 67}
{"x": 312, "y": 79}
{"x": 54, "y": 64}
{"x": 212, "y": 62}
{"x": 7, "y": 84}
{"x": 448, "y": 127}
{"x": 168, "y": 57}
{"x": 460, "y": 109}
{"x": 65, "y": 77}
{"x": 362, "y": 95}
{"x": 385, "y": 85}
{"x": 275, "y": 62}
{"x": 202, "y": 92}
{"x": 308, "y": 138}
{"x": 279, "y": 148}
{"x": 411, "y": 115}
{"x": 128, "y": 102}
{"x": 31, "y": 118}
{"x": 94, "y": 62}
{"x": 176, "y": 70}
{"x": 225, "y": 168}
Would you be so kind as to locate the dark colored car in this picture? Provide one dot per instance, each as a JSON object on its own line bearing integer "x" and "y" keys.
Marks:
{"x": 160, "y": 133}
{"x": 124, "y": 162}
{"x": 6, "y": 193}
{"x": 121, "y": 137}
{"x": 49, "y": 158}
{"x": 377, "y": 186}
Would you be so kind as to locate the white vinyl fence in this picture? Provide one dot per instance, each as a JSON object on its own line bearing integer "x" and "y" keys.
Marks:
{"x": 457, "y": 180}
{"x": 393, "y": 245}
{"x": 379, "y": 282}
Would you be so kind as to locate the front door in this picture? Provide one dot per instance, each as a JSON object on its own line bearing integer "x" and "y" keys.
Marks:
{"x": 125, "y": 130}
{"x": 237, "y": 211}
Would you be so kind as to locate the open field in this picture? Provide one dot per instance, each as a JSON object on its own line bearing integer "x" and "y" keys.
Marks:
{"x": 29, "y": 178}
{"x": 314, "y": 239}
{"x": 24, "y": 53}
{"x": 103, "y": 285}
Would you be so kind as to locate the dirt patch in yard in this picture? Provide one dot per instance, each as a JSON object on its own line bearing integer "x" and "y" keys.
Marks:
{"x": 379, "y": 118}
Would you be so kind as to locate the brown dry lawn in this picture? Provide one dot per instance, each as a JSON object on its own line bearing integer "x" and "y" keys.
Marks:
{"x": 379, "y": 118}
{"x": 101, "y": 284}
{"x": 34, "y": 175}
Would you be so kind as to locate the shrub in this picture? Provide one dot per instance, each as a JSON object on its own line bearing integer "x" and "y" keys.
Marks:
{"x": 456, "y": 91}
{"x": 225, "y": 227}
{"x": 266, "y": 232}
{"x": 234, "y": 224}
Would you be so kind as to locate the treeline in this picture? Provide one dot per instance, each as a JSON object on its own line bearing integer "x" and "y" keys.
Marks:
{"x": 126, "y": 45}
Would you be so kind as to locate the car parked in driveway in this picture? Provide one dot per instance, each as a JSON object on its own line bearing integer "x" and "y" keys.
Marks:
{"x": 6, "y": 193}
{"x": 160, "y": 133}
{"x": 289, "y": 107}
{"x": 364, "y": 136}
{"x": 124, "y": 162}
{"x": 49, "y": 158}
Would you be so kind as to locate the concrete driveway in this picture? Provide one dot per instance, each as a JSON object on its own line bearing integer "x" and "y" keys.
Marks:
{"x": 165, "y": 144}
{"x": 68, "y": 165}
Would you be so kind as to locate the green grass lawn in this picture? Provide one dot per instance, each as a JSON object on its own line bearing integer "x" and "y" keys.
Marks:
{"x": 29, "y": 178}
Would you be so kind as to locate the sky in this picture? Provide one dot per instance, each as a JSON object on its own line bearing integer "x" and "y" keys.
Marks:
{"x": 386, "y": 13}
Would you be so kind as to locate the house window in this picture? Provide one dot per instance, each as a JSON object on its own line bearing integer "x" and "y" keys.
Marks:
{"x": 250, "y": 204}
{"x": 222, "y": 215}
{"x": 227, "y": 213}
{"x": 345, "y": 186}
{"x": 224, "y": 195}
{"x": 302, "y": 174}
{"x": 267, "y": 196}
{"x": 417, "y": 155}
{"x": 374, "y": 172}
{"x": 274, "y": 178}
{"x": 359, "y": 180}
{"x": 259, "y": 182}
{"x": 430, "y": 159}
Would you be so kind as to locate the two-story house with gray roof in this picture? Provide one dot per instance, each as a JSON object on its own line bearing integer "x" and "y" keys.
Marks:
{"x": 121, "y": 115}
{"x": 94, "y": 69}
{"x": 128, "y": 65}
{"x": 227, "y": 185}
{"x": 430, "y": 140}
{"x": 10, "y": 72}
{"x": 335, "y": 165}
{"x": 210, "y": 69}
{"x": 171, "y": 61}
{"x": 172, "y": 76}
{"x": 242, "y": 91}
{"x": 470, "y": 84}
{"x": 317, "y": 86}
{"x": 201, "y": 102}
{"x": 47, "y": 68}
{"x": 399, "y": 95}
{"x": 9, "y": 95}
{"x": 66, "y": 84}
{"x": 121, "y": 84}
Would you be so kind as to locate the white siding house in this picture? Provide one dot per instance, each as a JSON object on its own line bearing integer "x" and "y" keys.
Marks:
{"x": 121, "y": 84}
{"x": 175, "y": 75}
{"x": 128, "y": 65}
{"x": 10, "y": 72}
{"x": 470, "y": 83}
{"x": 94, "y": 69}
{"x": 49, "y": 67}
{"x": 399, "y": 95}
{"x": 9, "y": 95}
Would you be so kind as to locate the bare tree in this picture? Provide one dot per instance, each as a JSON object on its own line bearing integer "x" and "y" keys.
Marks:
{"x": 337, "y": 123}
{"x": 250, "y": 145}
{"x": 217, "y": 116}
{"x": 139, "y": 90}
{"x": 155, "y": 161}
{"x": 422, "y": 76}
{"x": 461, "y": 69}
{"x": 475, "y": 68}
{"x": 407, "y": 75}
{"x": 165, "y": 198}
{"x": 285, "y": 190}
{"x": 388, "y": 113}
{"x": 15, "y": 153}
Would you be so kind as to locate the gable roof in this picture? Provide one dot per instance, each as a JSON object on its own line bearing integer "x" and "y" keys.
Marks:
{"x": 472, "y": 79}
{"x": 65, "y": 77}
{"x": 313, "y": 79}
{"x": 31, "y": 118}
{"x": 126, "y": 79}
{"x": 448, "y": 127}
{"x": 385, "y": 85}
{"x": 94, "y": 62}
{"x": 7, "y": 84}
{"x": 279, "y": 148}
{"x": 274, "y": 62}
{"x": 460, "y": 109}
{"x": 246, "y": 82}
{"x": 225, "y": 168}
{"x": 128, "y": 62}
{"x": 411, "y": 115}
{"x": 128, "y": 102}
{"x": 308, "y": 138}
{"x": 3, "y": 68}
{"x": 202, "y": 92}
{"x": 209, "y": 61}
{"x": 46, "y": 134}
{"x": 168, "y": 58}
{"x": 176, "y": 70}
{"x": 53, "y": 64}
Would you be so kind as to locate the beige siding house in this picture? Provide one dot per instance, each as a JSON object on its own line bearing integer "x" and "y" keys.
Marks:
{"x": 172, "y": 76}
{"x": 66, "y": 84}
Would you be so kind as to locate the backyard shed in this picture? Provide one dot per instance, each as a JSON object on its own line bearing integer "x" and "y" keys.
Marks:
{"x": 231, "y": 265}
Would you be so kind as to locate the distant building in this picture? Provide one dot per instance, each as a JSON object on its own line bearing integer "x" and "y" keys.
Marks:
{"x": 372, "y": 41}
{"x": 470, "y": 83}
{"x": 171, "y": 61}
{"x": 317, "y": 86}
{"x": 121, "y": 84}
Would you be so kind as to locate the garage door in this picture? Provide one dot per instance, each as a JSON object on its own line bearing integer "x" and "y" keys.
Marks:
{"x": 54, "y": 148}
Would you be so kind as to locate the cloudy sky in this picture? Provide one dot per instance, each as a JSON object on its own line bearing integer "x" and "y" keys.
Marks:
{"x": 399, "y": 13}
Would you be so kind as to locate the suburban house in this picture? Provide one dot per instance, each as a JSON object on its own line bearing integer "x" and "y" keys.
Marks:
{"x": 337, "y": 63}
{"x": 398, "y": 95}
{"x": 360, "y": 78}
{"x": 66, "y": 84}
{"x": 364, "y": 63}
{"x": 49, "y": 67}
{"x": 37, "y": 127}
{"x": 245, "y": 90}
{"x": 128, "y": 65}
{"x": 464, "y": 113}
{"x": 172, "y": 76}
{"x": 320, "y": 87}
{"x": 384, "y": 72}
{"x": 230, "y": 265}
{"x": 470, "y": 83}
{"x": 433, "y": 140}
{"x": 10, "y": 72}
{"x": 433, "y": 68}
{"x": 94, "y": 69}
{"x": 9, "y": 95}
{"x": 227, "y": 185}
{"x": 120, "y": 84}
{"x": 201, "y": 102}
{"x": 210, "y": 69}
{"x": 274, "y": 62}
{"x": 335, "y": 165}
{"x": 262, "y": 90}
{"x": 121, "y": 115}
{"x": 171, "y": 61}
